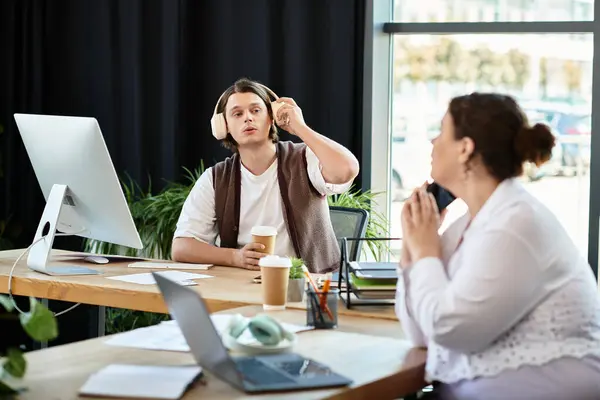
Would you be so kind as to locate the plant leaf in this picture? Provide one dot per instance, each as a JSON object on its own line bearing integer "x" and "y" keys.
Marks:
{"x": 6, "y": 303}
{"x": 15, "y": 364}
{"x": 377, "y": 224}
{"x": 39, "y": 323}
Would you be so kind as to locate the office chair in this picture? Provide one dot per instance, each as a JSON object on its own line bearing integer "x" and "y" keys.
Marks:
{"x": 350, "y": 223}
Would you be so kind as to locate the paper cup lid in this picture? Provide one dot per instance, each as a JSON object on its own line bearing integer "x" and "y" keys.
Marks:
{"x": 275, "y": 261}
{"x": 263, "y": 231}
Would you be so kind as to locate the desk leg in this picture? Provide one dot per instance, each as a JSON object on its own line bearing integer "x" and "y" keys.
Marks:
{"x": 83, "y": 322}
{"x": 44, "y": 344}
{"x": 101, "y": 321}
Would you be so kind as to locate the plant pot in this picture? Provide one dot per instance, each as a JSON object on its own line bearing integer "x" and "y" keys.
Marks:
{"x": 296, "y": 290}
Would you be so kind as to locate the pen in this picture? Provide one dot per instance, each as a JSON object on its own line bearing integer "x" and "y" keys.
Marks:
{"x": 315, "y": 289}
{"x": 316, "y": 310}
{"x": 325, "y": 291}
{"x": 310, "y": 279}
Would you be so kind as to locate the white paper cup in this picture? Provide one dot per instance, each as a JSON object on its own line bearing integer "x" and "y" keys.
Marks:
{"x": 265, "y": 235}
{"x": 275, "y": 272}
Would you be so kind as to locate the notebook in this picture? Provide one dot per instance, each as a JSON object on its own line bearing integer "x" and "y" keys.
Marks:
{"x": 372, "y": 284}
{"x": 141, "y": 381}
{"x": 168, "y": 265}
{"x": 375, "y": 270}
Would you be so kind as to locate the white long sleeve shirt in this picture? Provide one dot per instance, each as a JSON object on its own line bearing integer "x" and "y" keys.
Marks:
{"x": 517, "y": 291}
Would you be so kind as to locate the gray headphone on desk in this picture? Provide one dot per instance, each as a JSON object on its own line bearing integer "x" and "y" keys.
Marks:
{"x": 263, "y": 328}
{"x": 218, "y": 123}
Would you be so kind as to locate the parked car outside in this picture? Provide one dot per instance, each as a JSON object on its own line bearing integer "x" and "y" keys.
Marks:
{"x": 572, "y": 128}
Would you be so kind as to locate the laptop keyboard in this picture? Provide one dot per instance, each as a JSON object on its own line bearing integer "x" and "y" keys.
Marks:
{"x": 258, "y": 372}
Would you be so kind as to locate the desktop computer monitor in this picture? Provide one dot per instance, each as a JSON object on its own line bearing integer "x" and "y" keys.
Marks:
{"x": 83, "y": 194}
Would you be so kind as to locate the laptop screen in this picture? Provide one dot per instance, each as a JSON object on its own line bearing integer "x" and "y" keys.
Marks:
{"x": 189, "y": 310}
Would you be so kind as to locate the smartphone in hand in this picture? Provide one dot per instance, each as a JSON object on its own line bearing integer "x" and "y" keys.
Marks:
{"x": 443, "y": 197}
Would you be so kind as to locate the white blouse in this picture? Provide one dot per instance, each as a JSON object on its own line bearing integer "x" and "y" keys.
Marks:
{"x": 517, "y": 291}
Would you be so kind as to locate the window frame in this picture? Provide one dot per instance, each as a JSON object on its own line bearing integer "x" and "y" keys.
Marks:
{"x": 378, "y": 61}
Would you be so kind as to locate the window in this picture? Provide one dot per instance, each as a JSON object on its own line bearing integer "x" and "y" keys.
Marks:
{"x": 552, "y": 86}
{"x": 544, "y": 58}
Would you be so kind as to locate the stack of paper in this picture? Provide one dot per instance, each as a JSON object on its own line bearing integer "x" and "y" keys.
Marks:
{"x": 141, "y": 381}
{"x": 374, "y": 280}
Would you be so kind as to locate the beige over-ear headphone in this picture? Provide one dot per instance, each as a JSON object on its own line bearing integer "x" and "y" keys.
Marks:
{"x": 218, "y": 123}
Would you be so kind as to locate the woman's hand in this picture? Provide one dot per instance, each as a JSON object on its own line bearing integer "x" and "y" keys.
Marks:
{"x": 405, "y": 260}
{"x": 420, "y": 224}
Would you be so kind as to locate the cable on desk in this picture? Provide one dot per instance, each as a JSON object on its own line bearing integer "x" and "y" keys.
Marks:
{"x": 17, "y": 262}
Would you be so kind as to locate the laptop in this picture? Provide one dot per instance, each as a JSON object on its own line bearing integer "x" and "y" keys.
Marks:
{"x": 250, "y": 374}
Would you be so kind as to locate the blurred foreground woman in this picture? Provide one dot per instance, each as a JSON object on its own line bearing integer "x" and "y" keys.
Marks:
{"x": 504, "y": 301}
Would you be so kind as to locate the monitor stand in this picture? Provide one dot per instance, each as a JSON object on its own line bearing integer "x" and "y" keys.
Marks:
{"x": 39, "y": 254}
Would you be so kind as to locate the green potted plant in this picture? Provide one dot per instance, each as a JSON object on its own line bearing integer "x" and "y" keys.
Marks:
{"x": 296, "y": 282}
{"x": 40, "y": 324}
{"x": 155, "y": 216}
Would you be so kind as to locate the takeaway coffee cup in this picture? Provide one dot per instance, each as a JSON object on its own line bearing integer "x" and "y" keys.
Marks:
{"x": 275, "y": 272}
{"x": 265, "y": 235}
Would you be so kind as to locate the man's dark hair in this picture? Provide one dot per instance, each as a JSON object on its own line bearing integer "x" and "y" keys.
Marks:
{"x": 245, "y": 85}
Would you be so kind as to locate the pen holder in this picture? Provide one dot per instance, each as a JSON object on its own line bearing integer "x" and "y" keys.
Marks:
{"x": 322, "y": 309}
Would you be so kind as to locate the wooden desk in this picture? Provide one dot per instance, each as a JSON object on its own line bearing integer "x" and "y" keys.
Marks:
{"x": 231, "y": 287}
{"x": 381, "y": 367}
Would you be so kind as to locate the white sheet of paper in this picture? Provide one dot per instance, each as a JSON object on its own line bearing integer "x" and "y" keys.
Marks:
{"x": 147, "y": 278}
{"x": 140, "y": 381}
{"x": 167, "y": 336}
{"x": 220, "y": 321}
{"x": 157, "y": 337}
{"x": 169, "y": 265}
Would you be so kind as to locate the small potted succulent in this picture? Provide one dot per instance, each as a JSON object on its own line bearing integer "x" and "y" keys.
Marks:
{"x": 297, "y": 282}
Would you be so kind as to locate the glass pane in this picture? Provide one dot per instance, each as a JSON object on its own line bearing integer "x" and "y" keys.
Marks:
{"x": 493, "y": 10}
{"x": 549, "y": 75}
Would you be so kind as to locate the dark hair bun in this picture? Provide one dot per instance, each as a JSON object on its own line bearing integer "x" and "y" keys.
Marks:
{"x": 534, "y": 144}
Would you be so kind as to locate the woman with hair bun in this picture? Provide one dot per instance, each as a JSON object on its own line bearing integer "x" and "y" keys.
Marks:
{"x": 504, "y": 301}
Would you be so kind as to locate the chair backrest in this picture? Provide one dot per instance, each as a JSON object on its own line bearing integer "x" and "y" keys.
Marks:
{"x": 350, "y": 223}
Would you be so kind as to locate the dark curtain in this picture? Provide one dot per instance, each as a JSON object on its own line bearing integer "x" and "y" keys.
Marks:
{"x": 151, "y": 71}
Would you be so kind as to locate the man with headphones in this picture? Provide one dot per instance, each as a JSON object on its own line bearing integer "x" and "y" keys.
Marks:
{"x": 265, "y": 182}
